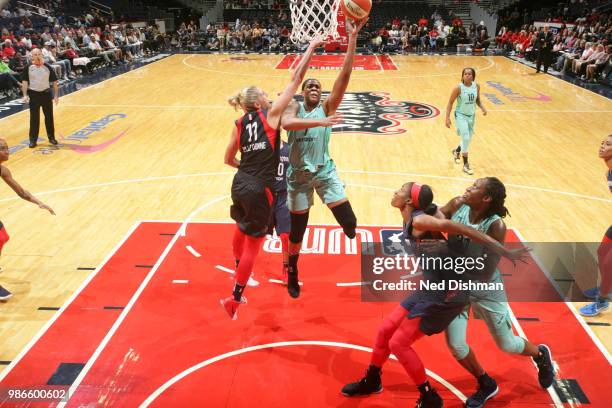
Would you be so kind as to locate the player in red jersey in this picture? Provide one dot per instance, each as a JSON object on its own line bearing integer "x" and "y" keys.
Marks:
{"x": 21, "y": 192}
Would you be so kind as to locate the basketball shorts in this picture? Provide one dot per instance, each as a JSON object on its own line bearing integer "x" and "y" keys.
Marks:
{"x": 252, "y": 204}
{"x": 301, "y": 185}
{"x": 4, "y": 237}
{"x": 464, "y": 125}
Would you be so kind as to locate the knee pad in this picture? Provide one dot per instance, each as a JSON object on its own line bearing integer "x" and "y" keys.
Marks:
{"x": 299, "y": 222}
{"x": 346, "y": 218}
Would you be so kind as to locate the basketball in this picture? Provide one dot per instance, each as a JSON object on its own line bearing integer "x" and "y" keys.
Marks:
{"x": 356, "y": 9}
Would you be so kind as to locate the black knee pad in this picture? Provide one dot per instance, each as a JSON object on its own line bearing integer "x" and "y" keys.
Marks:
{"x": 346, "y": 218}
{"x": 299, "y": 222}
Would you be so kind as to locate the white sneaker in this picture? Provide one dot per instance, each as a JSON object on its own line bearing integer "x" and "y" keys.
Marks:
{"x": 467, "y": 169}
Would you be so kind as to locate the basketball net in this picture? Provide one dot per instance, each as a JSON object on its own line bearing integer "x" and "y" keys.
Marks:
{"x": 313, "y": 18}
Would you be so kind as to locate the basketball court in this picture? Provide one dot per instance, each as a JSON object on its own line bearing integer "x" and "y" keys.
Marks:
{"x": 115, "y": 302}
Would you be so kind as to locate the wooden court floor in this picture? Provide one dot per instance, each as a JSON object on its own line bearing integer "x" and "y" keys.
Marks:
{"x": 148, "y": 145}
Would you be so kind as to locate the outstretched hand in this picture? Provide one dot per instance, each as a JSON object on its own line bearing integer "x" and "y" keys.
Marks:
{"x": 521, "y": 255}
{"x": 46, "y": 207}
{"x": 353, "y": 26}
{"x": 332, "y": 120}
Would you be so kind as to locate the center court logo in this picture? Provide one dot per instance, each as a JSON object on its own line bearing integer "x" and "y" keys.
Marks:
{"x": 375, "y": 113}
{"x": 74, "y": 140}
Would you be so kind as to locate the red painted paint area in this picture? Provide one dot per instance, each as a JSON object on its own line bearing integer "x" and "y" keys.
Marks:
{"x": 173, "y": 327}
{"x": 333, "y": 62}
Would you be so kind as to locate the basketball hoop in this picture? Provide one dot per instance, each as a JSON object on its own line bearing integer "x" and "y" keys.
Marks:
{"x": 313, "y": 18}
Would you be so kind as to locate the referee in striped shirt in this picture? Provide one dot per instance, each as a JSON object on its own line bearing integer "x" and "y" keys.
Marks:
{"x": 36, "y": 82}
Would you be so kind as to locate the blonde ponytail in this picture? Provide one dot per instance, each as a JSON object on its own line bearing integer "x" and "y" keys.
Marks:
{"x": 246, "y": 98}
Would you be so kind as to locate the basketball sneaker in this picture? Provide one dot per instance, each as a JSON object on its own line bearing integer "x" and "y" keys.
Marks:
{"x": 231, "y": 306}
{"x": 467, "y": 169}
{"x": 430, "y": 399}
{"x": 456, "y": 156}
{"x": 5, "y": 294}
{"x": 546, "y": 370}
{"x": 487, "y": 388}
{"x": 595, "y": 308}
{"x": 370, "y": 384}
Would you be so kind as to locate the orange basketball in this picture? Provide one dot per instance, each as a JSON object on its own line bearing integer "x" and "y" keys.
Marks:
{"x": 356, "y": 9}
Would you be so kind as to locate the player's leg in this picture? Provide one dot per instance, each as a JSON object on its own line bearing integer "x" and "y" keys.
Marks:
{"x": 331, "y": 191}
{"x": 299, "y": 201}
{"x": 602, "y": 293}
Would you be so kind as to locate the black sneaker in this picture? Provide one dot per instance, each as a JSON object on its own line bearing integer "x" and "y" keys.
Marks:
{"x": 32, "y": 145}
{"x": 431, "y": 399}
{"x": 369, "y": 384}
{"x": 5, "y": 294}
{"x": 487, "y": 388}
{"x": 53, "y": 141}
{"x": 293, "y": 284}
{"x": 546, "y": 370}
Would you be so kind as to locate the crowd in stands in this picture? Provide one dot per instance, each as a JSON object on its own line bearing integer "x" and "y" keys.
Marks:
{"x": 582, "y": 42}
{"x": 72, "y": 46}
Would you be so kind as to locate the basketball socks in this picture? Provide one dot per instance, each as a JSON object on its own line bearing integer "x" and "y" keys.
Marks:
{"x": 237, "y": 293}
{"x": 293, "y": 284}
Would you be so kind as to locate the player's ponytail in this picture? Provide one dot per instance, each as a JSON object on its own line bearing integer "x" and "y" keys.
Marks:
{"x": 497, "y": 191}
{"x": 246, "y": 98}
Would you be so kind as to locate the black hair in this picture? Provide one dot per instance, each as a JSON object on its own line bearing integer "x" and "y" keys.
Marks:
{"x": 425, "y": 198}
{"x": 497, "y": 191}
{"x": 473, "y": 73}
{"x": 308, "y": 80}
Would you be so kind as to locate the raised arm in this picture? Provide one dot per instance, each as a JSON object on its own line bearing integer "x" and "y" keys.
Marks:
{"x": 21, "y": 192}
{"x": 335, "y": 97}
{"x": 280, "y": 104}
{"x": 449, "y": 106}
{"x": 232, "y": 149}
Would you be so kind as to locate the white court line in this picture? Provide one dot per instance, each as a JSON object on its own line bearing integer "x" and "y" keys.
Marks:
{"x": 57, "y": 314}
{"x": 93, "y": 86}
{"x": 551, "y": 390}
{"x": 128, "y": 307}
{"x": 127, "y": 181}
{"x": 379, "y": 63}
{"x": 396, "y": 173}
{"x": 193, "y": 251}
{"x": 280, "y": 282}
{"x": 344, "y": 284}
{"x": 164, "y": 107}
{"x": 549, "y": 111}
{"x": 570, "y": 305}
{"x": 180, "y": 281}
{"x": 212, "y": 360}
{"x": 251, "y": 281}
{"x": 393, "y": 173}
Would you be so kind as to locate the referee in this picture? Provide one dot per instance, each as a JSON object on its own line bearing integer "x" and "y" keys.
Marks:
{"x": 35, "y": 85}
